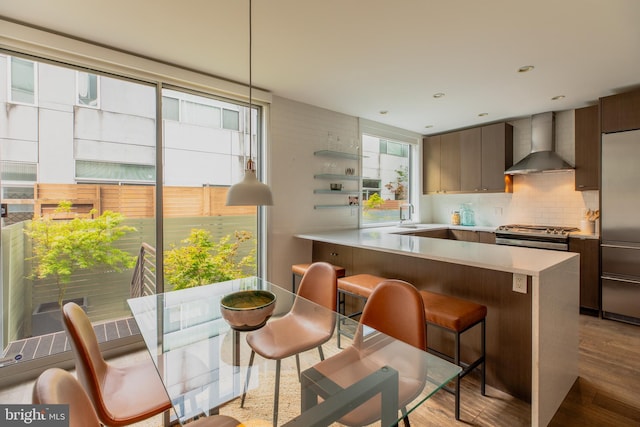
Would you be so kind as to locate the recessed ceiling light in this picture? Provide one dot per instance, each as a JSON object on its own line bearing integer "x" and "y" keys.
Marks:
{"x": 525, "y": 68}
{"x": 383, "y": 112}
{"x": 438, "y": 95}
{"x": 483, "y": 114}
{"x": 557, "y": 97}
{"x": 428, "y": 126}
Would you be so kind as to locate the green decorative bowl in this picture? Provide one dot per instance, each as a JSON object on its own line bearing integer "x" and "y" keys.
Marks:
{"x": 247, "y": 310}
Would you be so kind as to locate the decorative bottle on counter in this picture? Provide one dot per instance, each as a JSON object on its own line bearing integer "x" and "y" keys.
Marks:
{"x": 455, "y": 218}
{"x": 467, "y": 215}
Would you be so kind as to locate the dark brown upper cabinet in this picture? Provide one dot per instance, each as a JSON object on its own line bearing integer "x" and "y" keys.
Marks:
{"x": 587, "y": 146}
{"x": 620, "y": 112}
{"x": 431, "y": 164}
{"x": 450, "y": 162}
{"x": 468, "y": 161}
{"x": 497, "y": 155}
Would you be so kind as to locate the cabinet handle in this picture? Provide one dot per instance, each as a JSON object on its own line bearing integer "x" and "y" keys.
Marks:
{"x": 334, "y": 254}
{"x": 604, "y": 245}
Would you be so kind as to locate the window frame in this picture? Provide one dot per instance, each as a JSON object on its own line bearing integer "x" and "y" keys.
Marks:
{"x": 10, "y": 59}
{"x": 398, "y": 135}
{"x": 78, "y": 103}
{"x": 412, "y": 181}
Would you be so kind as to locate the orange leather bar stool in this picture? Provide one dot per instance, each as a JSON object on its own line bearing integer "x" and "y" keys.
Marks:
{"x": 359, "y": 286}
{"x": 457, "y": 315}
{"x": 298, "y": 270}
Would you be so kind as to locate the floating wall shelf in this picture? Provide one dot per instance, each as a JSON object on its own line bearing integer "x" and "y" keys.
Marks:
{"x": 337, "y": 176}
{"x": 338, "y": 154}
{"x": 335, "y": 206}
{"x": 356, "y": 191}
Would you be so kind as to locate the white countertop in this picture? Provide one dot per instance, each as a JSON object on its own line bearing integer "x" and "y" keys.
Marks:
{"x": 494, "y": 257}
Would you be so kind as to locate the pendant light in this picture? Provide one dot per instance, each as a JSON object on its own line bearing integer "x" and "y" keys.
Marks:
{"x": 249, "y": 191}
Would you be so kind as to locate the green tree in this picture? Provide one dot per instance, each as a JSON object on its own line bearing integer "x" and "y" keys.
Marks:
{"x": 62, "y": 247}
{"x": 201, "y": 261}
{"x": 374, "y": 201}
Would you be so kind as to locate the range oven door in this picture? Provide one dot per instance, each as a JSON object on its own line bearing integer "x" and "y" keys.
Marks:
{"x": 561, "y": 244}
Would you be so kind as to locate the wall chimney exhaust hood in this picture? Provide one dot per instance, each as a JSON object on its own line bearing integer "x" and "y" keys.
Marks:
{"x": 542, "y": 157}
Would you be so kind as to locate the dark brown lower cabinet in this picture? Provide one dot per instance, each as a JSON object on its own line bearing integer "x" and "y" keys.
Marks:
{"x": 509, "y": 324}
{"x": 589, "y": 250}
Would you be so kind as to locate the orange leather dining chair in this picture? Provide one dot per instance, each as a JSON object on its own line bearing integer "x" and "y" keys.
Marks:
{"x": 395, "y": 308}
{"x": 299, "y": 330}
{"x": 57, "y": 386}
{"x": 120, "y": 395}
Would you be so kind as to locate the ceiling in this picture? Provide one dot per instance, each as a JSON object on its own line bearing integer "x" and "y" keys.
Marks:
{"x": 362, "y": 57}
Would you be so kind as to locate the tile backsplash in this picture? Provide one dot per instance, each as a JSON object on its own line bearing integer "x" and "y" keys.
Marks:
{"x": 549, "y": 199}
{"x": 539, "y": 199}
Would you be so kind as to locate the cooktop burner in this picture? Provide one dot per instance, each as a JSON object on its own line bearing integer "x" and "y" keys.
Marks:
{"x": 540, "y": 230}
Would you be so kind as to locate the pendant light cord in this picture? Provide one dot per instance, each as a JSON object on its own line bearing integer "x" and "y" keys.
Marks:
{"x": 250, "y": 162}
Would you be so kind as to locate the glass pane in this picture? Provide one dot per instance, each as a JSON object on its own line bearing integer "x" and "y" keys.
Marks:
{"x": 107, "y": 145}
{"x": 11, "y": 192}
{"x": 115, "y": 171}
{"x": 205, "y": 241}
{"x": 230, "y": 119}
{"x": 18, "y": 171}
{"x": 386, "y": 182}
{"x": 87, "y": 89}
{"x": 170, "y": 108}
{"x": 200, "y": 114}
{"x": 22, "y": 81}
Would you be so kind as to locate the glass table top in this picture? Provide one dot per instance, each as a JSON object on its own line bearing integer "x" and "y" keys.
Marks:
{"x": 203, "y": 362}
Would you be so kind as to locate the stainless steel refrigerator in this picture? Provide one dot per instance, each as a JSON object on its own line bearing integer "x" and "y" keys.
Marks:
{"x": 620, "y": 226}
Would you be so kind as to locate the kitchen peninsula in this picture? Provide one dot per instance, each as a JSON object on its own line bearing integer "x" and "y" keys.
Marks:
{"x": 532, "y": 337}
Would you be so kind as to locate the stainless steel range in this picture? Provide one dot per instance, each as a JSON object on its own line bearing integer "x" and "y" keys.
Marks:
{"x": 535, "y": 236}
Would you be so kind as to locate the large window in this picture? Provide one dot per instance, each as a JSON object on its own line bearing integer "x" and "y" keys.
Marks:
{"x": 387, "y": 179}
{"x": 104, "y": 159}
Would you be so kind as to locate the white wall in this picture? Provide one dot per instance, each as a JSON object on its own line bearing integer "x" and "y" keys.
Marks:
{"x": 297, "y": 130}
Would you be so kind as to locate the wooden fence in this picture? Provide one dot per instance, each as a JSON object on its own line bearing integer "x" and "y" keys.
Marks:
{"x": 136, "y": 201}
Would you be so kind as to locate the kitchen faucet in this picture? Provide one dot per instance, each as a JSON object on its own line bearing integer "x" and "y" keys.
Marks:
{"x": 405, "y": 216}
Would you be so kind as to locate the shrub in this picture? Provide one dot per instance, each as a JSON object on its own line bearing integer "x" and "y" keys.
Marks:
{"x": 201, "y": 261}
{"x": 62, "y": 247}
{"x": 374, "y": 201}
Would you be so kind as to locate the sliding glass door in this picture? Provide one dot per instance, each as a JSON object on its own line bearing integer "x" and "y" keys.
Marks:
{"x": 205, "y": 143}
{"x": 108, "y": 196}
{"x": 78, "y": 173}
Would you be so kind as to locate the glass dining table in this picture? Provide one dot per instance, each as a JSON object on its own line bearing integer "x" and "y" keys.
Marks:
{"x": 203, "y": 363}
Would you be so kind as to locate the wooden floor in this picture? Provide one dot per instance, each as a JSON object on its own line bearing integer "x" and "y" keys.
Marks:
{"x": 605, "y": 394}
